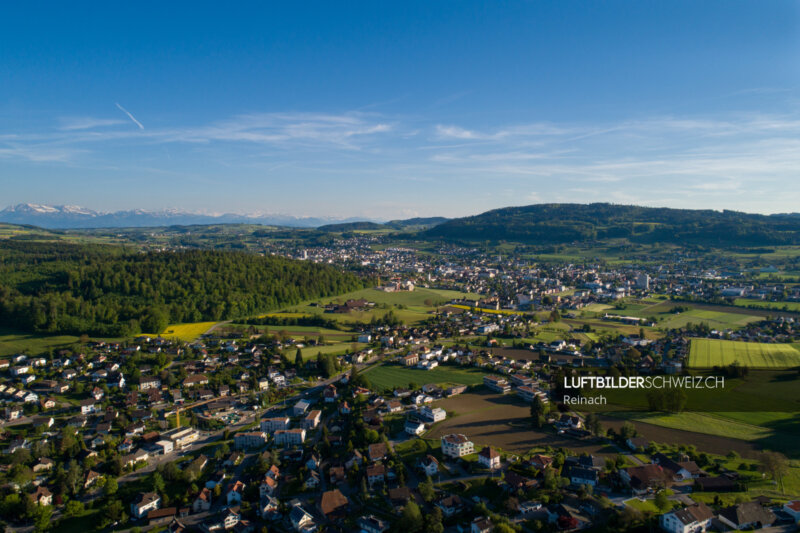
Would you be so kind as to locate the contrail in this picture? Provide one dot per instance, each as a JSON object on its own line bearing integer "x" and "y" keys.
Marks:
{"x": 130, "y": 116}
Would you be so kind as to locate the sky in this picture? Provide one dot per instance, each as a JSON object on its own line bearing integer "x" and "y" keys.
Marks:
{"x": 400, "y": 109}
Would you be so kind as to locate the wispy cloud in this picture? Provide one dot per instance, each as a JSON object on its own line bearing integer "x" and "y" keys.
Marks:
{"x": 86, "y": 123}
{"x": 701, "y": 159}
{"x": 130, "y": 116}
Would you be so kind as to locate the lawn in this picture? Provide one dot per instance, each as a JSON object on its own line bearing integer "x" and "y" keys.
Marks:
{"x": 707, "y": 353}
{"x": 388, "y": 376}
{"x": 310, "y": 352}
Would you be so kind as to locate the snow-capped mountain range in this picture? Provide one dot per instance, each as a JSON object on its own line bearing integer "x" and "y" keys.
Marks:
{"x": 72, "y": 217}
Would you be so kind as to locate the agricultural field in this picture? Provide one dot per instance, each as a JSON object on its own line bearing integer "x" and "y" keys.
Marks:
{"x": 409, "y": 306}
{"x": 781, "y": 306}
{"x": 388, "y": 376}
{"x": 187, "y": 332}
{"x": 707, "y": 353}
{"x": 719, "y": 432}
{"x": 13, "y": 343}
{"x": 719, "y": 317}
{"x": 488, "y": 418}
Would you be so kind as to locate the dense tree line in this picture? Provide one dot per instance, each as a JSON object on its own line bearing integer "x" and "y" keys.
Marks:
{"x": 565, "y": 223}
{"x": 306, "y": 320}
{"x": 105, "y": 290}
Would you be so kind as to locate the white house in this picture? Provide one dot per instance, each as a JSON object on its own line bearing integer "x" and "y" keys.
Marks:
{"x": 413, "y": 427}
{"x": 147, "y": 502}
{"x": 290, "y": 436}
{"x": 456, "y": 445}
{"x": 693, "y": 519}
{"x": 489, "y": 458}
{"x": 270, "y": 425}
{"x": 430, "y": 465}
{"x": 435, "y": 414}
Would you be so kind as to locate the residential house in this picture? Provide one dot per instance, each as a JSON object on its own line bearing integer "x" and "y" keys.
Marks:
{"x": 203, "y": 501}
{"x": 748, "y": 515}
{"x": 42, "y": 496}
{"x": 333, "y": 504}
{"x": 253, "y": 439}
{"x": 312, "y": 419}
{"x": 456, "y": 445}
{"x": 145, "y": 503}
{"x": 695, "y": 518}
{"x": 376, "y": 474}
{"x": 489, "y": 458}
{"x": 235, "y": 492}
{"x": 290, "y": 437}
{"x": 301, "y": 520}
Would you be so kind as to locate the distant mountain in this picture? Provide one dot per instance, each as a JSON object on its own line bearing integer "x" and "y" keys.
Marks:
{"x": 428, "y": 222}
{"x": 351, "y": 226}
{"x": 411, "y": 224}
{"x": 566, "y": 223}
{"x": 69, "y": 217}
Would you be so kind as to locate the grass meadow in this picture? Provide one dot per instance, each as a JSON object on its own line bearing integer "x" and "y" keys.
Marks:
{"x": 707, "y": 353}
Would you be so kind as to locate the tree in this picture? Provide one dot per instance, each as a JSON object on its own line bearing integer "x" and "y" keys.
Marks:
{"x": 426, "y": 490}
{"x": 433, "y": 521}
{"x": 298, "y": 358}
{"x": 593, "y": 424}
{"x": 115, "y": 512}
{"x": 503, "y": 528}
{"x": 410, "y": 519}
{"x": 627, "y": 431}
{"x": 155, "y": 320}
{"x": 74, "y": 508}
{"x": 538, "y": 412}
{"x": 776, "y": 465}
{"x": 111, "y": 486}
{"x": 662, "y": 501}
{"x": 158, "y": 483}
{"x": 41, "y": 518}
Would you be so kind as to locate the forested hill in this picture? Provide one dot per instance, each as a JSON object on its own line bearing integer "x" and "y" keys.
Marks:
{"x": 103, "y": 290}
{"x": 564, "y": 223}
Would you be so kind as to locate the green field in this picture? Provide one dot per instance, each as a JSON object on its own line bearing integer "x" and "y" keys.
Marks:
{"x": 310, "y": 352}
{"x": 719, "y": 317}
{"x": 708, "y": 423}
{"x": 707, "y": 353}
{"x": 410, "y": 307}
{"x": 391, "y": 376}
{"x": 12, "y": 343}
{"x": 781, "y": 306}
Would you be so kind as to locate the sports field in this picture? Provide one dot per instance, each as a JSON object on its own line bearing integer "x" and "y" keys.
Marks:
{"x": 707, "y": 353}
{"x": 391, "y": 376}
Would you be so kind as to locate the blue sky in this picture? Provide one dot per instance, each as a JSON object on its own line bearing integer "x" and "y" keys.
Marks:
{"x": 395, "y": 109}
